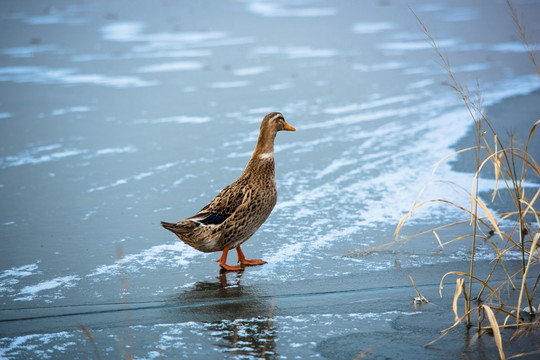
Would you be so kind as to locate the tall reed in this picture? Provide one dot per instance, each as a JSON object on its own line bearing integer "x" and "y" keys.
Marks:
{"x": 513, "y": 167}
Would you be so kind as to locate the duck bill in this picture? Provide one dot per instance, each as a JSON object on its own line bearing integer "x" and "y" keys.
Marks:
{"x": 289, "y": 127}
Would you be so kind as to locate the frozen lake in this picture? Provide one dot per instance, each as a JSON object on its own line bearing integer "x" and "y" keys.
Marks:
{"x": 116, "y": 115}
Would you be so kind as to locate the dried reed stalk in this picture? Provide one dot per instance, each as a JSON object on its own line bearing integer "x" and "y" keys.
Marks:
{"x": 421, "y": 297}
{"x": 89, "y": 336}
{"x": 495, "y": 328}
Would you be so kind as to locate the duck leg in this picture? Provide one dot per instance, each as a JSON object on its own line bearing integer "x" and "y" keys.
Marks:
{"x": 223, "y": 261}
{"x": 249, "y": 262}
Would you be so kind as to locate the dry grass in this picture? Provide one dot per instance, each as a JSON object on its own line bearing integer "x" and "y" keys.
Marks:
{"x": 512, "y": 166}
{"x": 366, "y": 352}
{"x": 91, "y": 338}
{"x": 420, "y": 299}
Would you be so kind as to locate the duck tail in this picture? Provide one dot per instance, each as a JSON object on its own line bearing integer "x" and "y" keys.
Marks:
{"x": 184, "y": 231}
{"x": 166, "y": 225}
{"x": 182, "y": 227}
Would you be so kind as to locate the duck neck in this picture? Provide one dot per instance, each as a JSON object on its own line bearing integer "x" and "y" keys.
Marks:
{"x": 265, "y": 145}
{"x": 261, "y": 163}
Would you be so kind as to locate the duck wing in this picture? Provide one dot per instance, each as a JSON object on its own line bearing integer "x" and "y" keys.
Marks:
{"x": 255, "y": 208}
{"x": 222, "y": 206}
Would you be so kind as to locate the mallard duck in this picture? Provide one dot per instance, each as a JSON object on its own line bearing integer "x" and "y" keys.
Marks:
{"x": 241, "y": 208}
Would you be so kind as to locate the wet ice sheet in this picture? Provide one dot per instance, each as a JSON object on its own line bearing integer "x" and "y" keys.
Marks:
{"x": 249, "y": 325}
{"x": 337, "y": 325}
{"x": 242, "y": 338}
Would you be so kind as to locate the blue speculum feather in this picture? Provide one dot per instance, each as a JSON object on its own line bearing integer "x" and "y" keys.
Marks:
{"x": 214, "y": 219}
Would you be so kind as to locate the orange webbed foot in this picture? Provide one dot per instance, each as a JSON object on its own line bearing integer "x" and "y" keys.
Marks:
{"x": 241, "y": 259}
{"x": 223, "y": 262}
{"x": 248, "y": 262}
{"x": 231, "y": 267}
{"x": 252, "y": 262}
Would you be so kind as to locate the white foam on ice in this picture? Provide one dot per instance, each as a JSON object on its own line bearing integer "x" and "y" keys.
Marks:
{"x": 275, "y": 9}
{"x": 42, "y": 75}
{"x": 380, "y": 66}
{"x": 295, "y": 52}
{"x": 132, "y": 31}
{"x": 229, "y": 84}
{"x": 256, "y": 70}
{"x": 136, "y": 177}
{"x": 31, "y": 50}
{"x": 372, "y": 27}
{"x": 35, "y": 156}
{"x": 179, "y": 119}
{"x": 511, "y": 47}
{"x": 20, "y": 271}
{"x": 400, "y": 99}
{"x": 30, "y": 292}
{"x": 172, "y": 255}
{"x": 417, "y": 45}
{"x": 46, "y": 153}
{"x": 70, "y": 110}
{"x": 36, "y": 345}
{"x": 171, "y": 66}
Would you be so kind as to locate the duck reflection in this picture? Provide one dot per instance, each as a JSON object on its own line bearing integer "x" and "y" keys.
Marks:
{"x": 237, "y": 317}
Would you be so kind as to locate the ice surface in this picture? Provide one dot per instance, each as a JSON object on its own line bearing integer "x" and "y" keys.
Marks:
{"x": 372, "y": 27}
{"x": 31, "y": 291}
{"x": 40, "y": 75}
{"x": 116, "y": 116}
{"x": 276, "y": 9}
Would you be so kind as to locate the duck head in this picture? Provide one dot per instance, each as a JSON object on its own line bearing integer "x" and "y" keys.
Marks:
{"x": 270, "y": 125}
{"x": 276, "y": 122}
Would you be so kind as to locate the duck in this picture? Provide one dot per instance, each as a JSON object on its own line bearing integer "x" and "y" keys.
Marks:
{"x": 238, "y": 211}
